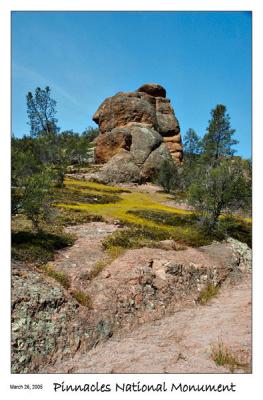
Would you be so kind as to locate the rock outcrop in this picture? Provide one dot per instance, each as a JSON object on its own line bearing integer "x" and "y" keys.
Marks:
{"x": 138, "y": 131}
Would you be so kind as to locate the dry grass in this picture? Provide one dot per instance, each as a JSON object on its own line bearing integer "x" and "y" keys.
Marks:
{"x": 207, "y": 293}
{"x": 60, "y": 277}
{"x": 82, "y": 298}
{"x": 113, "y": 252}
{"x": 225, "y": 356}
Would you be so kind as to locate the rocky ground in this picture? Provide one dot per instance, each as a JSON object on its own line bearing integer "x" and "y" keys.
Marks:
{"x": 144, "y": 307}
{"x": 180, "y": 343}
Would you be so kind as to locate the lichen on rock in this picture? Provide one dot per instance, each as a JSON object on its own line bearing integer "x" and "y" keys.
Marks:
{"x": 41, "y": 333}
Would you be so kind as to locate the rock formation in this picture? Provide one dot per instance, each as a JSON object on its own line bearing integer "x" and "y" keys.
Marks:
{"x": 138, "y": 131}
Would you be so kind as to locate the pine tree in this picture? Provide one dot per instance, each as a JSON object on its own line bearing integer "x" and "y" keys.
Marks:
{"x": 218, "y": 140}
{"x": 41, "y": 110}
{"x": 192, "y": 145}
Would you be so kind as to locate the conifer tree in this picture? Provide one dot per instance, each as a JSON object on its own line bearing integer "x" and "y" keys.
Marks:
{"x": 218, "y": 140}
{"x": 41, "y": 110}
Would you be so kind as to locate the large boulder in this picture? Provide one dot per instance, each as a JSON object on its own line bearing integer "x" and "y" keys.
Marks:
{"x": 123, "y": 108}
{"x": 144, "y": 141}
{"x": 138, "y": 130}
{"x": 153, "y": 162}
{"x": 120, "y": 168}
{"x": 110, "y": 143}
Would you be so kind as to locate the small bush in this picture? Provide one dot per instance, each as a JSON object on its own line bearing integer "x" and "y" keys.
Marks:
{"x": 60, "y": 276}
{"x": 82, "y": 298}
{"x": 207, "y": 293}
{"x": 168, "y": 176}
{"x": 238, "y": 229}
{"x": 222, "y": 355}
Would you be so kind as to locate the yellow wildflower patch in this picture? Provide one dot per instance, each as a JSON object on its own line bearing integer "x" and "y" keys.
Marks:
{"x": 129, "y": 202}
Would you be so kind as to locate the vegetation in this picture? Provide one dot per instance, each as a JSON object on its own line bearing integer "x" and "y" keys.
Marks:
{"x": 168, "y": 176}
{"x": 215, "y": 181}
{"x": 218, "y": 141}
{"x": 60, "y": 276}
{"x": 223, "y": 355}
{"x": 207, "y": 293}
{"x": 192, "y": 146}
{"x": 36, "y": 199}
{"x": 82, "y": 298}
{"x": 223, "y": 187}
{"x": 38, "y": 247}
{"x": 211, "y": 179}
{"x": 41, "y": 110}
{"x": 67, "y": 216}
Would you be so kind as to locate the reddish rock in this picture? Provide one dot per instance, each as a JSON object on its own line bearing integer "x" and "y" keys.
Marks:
{"x": 119, "y": 110}
{"x": 133, "y": 127}
{"x": 153, "y": 89}
{"x": 110, "y": 143}
{"x": 168, "y": 125}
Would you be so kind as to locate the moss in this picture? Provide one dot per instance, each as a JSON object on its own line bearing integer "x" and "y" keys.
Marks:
{"x": 129, "y": 202}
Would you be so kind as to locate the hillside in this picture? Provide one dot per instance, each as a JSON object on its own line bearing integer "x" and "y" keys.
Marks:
{"x": 134, "y": 269}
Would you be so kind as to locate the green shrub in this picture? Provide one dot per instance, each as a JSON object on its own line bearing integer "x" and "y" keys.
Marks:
{"x": 35, "y": 199}
{"x": 168, "y": 176}
{"x": 219, "y": 188}
{"x": 238, "y": 229}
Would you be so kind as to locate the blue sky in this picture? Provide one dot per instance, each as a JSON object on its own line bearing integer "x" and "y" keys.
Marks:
{"x": 201, "y": 58}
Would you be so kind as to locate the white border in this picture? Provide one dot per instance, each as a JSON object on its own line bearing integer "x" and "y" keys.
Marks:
{"x": 249, "y": 386}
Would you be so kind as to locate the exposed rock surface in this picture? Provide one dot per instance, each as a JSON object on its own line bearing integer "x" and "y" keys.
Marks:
{"x": 49, "y": 327}
{"x": 41, "y": 332}
{"x": 179, "y": 343}
{"x": 138, "y": 130}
